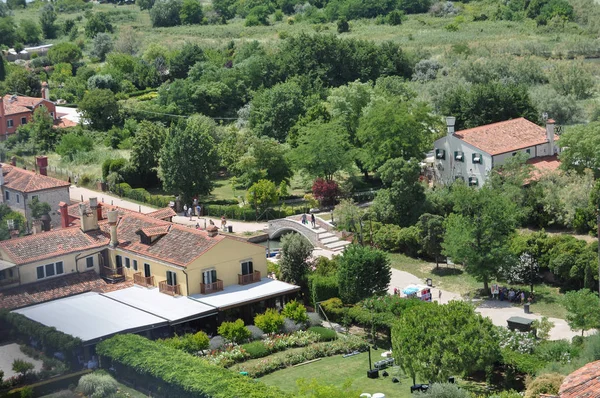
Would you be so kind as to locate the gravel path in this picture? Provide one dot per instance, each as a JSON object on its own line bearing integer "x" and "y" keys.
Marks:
{"x": 10, "y": 352}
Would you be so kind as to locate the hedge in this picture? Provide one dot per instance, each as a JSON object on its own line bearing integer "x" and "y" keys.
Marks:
{"x": 322, "y": 288}
{"x": 48, "y": 386}
{"x": 49, "y": 337}
{"x": 182, "y": 374}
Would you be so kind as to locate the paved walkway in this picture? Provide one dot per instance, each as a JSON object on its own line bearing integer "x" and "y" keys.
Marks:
{"x": 10, "y": 352}
{"x": 497, "y": 311}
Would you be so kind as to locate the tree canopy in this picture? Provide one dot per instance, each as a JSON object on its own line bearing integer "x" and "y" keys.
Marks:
{"x": 362, "y": 272}
{"x": 583, "y": 309}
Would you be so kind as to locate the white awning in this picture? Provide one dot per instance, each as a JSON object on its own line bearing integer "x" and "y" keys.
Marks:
{"x": 6, "y": 265}
{"x": 237, "y": 295}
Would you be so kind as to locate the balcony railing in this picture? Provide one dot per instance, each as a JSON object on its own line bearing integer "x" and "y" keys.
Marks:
{"x": 207, "y": 288}
{"x": 173, "y": 290}
{"x": 146, "y": 281}
{"x": 112, "y": 275}
{"x": 249, "y": 278}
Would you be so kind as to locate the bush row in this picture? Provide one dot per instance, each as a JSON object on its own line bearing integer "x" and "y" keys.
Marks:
{"x": 180, "y": 374}
{"x": 343, "y": 345}
{"x": 322, "y": 288}
{"x": 50, "y": 338}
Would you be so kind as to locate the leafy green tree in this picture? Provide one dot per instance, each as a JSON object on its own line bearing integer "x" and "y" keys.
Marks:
{"x": 72, "y": 143}
{"x": 38, "y": 209}
{"x": 343, "y": 26}
{"x": 461, "y": 341}
{"x": 482, "y": 104}
{"x": 47, "y": 22}
{"x": 583, "y": 309}
{"x": 264, "y": 158}
{"x": 22, "y": 367}
{"x": 23, "y": 81}
{"x": 41, "y": 129}
{"x": 165, "y": 13}
{"x": 275, "y": 110}
{"x": 29, "y": 32}
{"x": 100, "y": 108}
{"x": 294, "y": 262}
{"x": 191, "y": 12}
{"x": 401, "y": 201}
{"x": 258, "y": 16}
{"x": 478, "y": 232}
{"x": 16, "y": 4}
{"x": 188, "y": 159}
{"x": 392, "y": 128}
{"x": 2, "y": 68}
{"x": 225, "y": 8}
{"x": 145, "y": 4}
{"x": 394, "y": 18}
{"x": 347, "y": 103}
{"x": 96, "y": 23}
{"x": 64, "y": 52}
{"x": 270, "y": 322}
{"x": 8, "y": 32}
{"x": 145, "y": 152}
{"x": 184, "y": 59}
{"x": 322, "y": 150}
{"x": 445, "y": 390}
{"x": 583, "y": 143}
{"x": 262, "y": 194}
{"x": 348, "y": 216}
{"x": 362, "y": 272}
{"x": 431, "y": 232}
{"x": 102, "y": 44}
{"x": 572, "y": 78}
{"x": 295, "y": 311}
{"x": 236, "y": 331}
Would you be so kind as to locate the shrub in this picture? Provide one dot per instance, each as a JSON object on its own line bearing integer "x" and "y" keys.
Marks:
{"x": 343, "y": 26}
{"x": 325, "y": 334}
{"x": 270, "y": 322}
{"x": 295, "y": 311}
{"x": 194, "y": 377}
{"x": 394, "y": 18}
{"x": 333, "y": 308}
{"x": 544, "y": 384}
{"x": 256, "y": 333}
{"x": 256, "y": 349}
{"x": 236, "y": 332}
{"x": 50, "y": 338}
{"x": 22, "y": 367}
{"x": 322, "y": 288}
{"x": 290, "y": 326}
{"x": 445, "y": 390}
{"x": 98, "y": 385}
{"x": 555, "y": 351}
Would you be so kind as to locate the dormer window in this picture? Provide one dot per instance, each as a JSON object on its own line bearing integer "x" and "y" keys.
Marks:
{"x": 440, "y": 154}
{"x": 459, "y": 156}
{"x": 477, "y": 158}
{"x": 473, "y": 182}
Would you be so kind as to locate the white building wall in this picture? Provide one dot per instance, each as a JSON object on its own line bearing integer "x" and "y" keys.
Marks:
{"x": 501, "y": 158}
{"x": 51, "y": 196}
{"x": 449, "y": 169}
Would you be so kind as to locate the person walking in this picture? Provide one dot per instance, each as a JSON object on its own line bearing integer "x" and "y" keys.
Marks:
{"x": 440, "y": 295}
{"x": 198, "y": 210}
{"x": 303, "y": 218}
{"x": 185, "y": 210}
{"x": 223, "y": 222}
{"x": 190, "y": 213}
{"x": 76, "y": 180}
{"x": 313, "y": 221}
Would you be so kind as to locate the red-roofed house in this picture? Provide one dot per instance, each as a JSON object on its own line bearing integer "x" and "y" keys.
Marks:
{"x": 470, "y": 154}
{"x": 583, "y": 383}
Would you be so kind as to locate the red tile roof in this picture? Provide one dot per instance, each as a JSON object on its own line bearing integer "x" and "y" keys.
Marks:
{"x": 180, "y": 245}
{"x": 64, "y": 123}
{"x": 26, "y": 181}
{"x": 52, "y": 289}
{"x": 14, "y": 104}
{"x": 156, "y": 231}
{"x": 543, "y": 165}
{"x": 52, "y": 244}
{"x": 162, "y": 214}
{"x": 507, "y": 136}
{"x": 583, "y": 383}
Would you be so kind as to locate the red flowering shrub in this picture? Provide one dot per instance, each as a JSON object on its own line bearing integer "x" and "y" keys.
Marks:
{"x": 325, "y": 191}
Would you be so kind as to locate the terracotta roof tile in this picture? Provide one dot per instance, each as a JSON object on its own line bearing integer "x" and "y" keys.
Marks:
{"x": 28, "y": 181}
{"x": 52, "y": 244}
{"x": 19, "y": 104}
{"x": 52, "y": 289}
{"x": 162, "y": 214}
{"x": 583, "y": 383}
{"x": 156, "y": 231}
{"x": 64, "y": 123}
{"x": 507, "y": 136}
{"x": 543, "y": 165}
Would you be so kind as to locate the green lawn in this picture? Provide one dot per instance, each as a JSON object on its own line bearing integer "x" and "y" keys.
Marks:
{"x": 337, "y": 370}
{"x": 454, "y": 279}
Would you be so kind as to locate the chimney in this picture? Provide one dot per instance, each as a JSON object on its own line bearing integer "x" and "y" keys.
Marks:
{"x": 1, "y": 106}
{"x": 45, "y": 91}
{"x": 13, "y": 161}
{"x": 550, "y": 135}
{"x": 64, "y": 214}
{"x": 99, "y": 212}
{"x": 42, "y": 164}
{"x": 450, "y": 122}
{"x": 113, "y": 216}
{"x": 212, "y": 231}
{"x": 94, "y": 213}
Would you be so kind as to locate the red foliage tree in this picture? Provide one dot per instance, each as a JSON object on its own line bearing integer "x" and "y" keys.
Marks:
{"x": 325, "y": 191}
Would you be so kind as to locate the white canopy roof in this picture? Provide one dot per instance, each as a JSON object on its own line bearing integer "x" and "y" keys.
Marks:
{"x": 174, "y": 309}
{"x": 235, "y": 295}
{"x": 6, "y": 265}
{"x": 91, "y": 316}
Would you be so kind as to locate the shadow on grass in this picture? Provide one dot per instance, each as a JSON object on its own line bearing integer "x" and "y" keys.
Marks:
{"x": 445, "y": 271}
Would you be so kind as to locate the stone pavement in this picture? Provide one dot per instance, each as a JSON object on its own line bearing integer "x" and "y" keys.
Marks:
{"x": 10, "y": 352}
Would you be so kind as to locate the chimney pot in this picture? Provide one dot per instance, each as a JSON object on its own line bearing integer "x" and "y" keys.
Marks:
{"x": 93, "y": 203}
{"x": 64, "y": 214}
{"x": 13, "y": 161}
{"x": 42, "y": 164}
{"x": 113, "y": 216}
{"x": 450, "y": 122}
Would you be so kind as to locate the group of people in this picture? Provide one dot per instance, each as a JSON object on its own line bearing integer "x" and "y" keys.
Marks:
{"x": 189, "y": 211}
{"x": 514, "y": 295}
{"x": 313, "y": 220}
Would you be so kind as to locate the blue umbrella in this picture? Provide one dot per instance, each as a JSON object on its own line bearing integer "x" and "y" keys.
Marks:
{"x": 410, "y": 290}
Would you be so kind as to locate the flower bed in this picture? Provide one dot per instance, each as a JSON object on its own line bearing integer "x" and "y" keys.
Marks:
{"x": 272, "y": 363}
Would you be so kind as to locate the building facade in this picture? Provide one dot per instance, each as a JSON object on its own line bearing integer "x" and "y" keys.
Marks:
{"x": 17, "y": 110}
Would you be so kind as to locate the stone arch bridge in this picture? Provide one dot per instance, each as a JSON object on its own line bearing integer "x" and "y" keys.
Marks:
{"x": 323, "y": 236}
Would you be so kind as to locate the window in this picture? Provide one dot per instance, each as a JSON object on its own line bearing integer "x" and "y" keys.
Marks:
{"x": 23, "y": 120}
{"x": 18, "y": 198}
{"x": 7, "y": 195}
{"x": 119, "y": 261}
{"x": 171, "y": 278}
{"x": 473, "y": 181}
{"x": 52, "y": 114}
{"x": 459, "y": 156}
{"x": 247, "y": 268}
{"x": 34, "y": 197}
{"x": 209, "y": 276}
{"x": 89, "y": 262}
{"x": 127, "y": 263}
{"x": 477, "y": 158}
{"x": 147, "y": 272}
{"x": 48, "y": 270}
{"x": 9, "y": 123}
{"x": 440, "y": 154}
{"x": 135, "y": 265}
{"x": 528, "y": 151}
{"x": 514, "y": 154}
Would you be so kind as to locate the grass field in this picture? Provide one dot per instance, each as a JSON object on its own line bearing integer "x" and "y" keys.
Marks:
{"x": 337, "y": 370}
{"x": 453, "y": 278}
